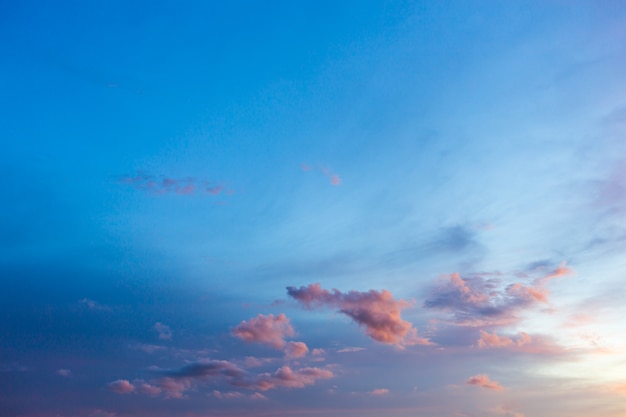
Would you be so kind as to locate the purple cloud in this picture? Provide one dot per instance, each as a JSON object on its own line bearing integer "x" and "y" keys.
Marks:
{"x": 477, "y": 301}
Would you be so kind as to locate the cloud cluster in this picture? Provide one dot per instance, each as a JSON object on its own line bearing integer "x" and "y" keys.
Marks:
{"x": 377, "y": 311}
{"x": 286, "y": 377}
{"x": 167, "y": 185}
{"x": 480, "y": 301}
{"x": 174, "y": 383}
{"x": 483, "y": 381}
{"x": 271, "y": 330}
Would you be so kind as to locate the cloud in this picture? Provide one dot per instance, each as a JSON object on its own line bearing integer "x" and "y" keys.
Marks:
{"x": 208, "y": 368}
{"x": 168, "y": 185}
{"x": 377, "y": 311}
{"x": 379, "y": 391}
{"x": 173, "y": 387}
{"x": 350, "y": 349}
{"x": 175, "y": 383}
{"x": 93, "y": 305}
{"x": 227, "y": 395}
{"x": 483, "y": 381}
{"x": 146, "y": 388}
{"x": 64, "y": 372}
{"x": 492, "y": 340}
{"x": 270, "y": 330}
{"x": 165, "y": 333}
{"x": 296, "y": 349}
{"x": 480, "y": 301}
{"x": 121, "y": 386}
{"x": 333, "y": 178}
{"x": 286, "y": 377}
{"x": 148, "y": 348}
{"x": 236, "y": 395}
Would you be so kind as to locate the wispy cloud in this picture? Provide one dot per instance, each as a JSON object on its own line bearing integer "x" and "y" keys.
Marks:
{"x": 483, "y": 381}
{"x": 169, "y": 185}
{"x": 379, "y": 391}
{"x": 165, "y": 333}
{"x": 377, "y": 311}
{"x": 93, "y": 305}
{"x": 64, "y": 372}
{"x": 350, "y": 349}
{"x": 333, "y": 178}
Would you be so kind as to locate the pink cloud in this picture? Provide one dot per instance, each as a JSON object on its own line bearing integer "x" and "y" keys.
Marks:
{"x": 121, "y": 386}
{"x": 377, "y": 311}
{"x": 296, "y": 349}
{"x": 286, "y": 377}
{"x": 561, "y": 271}
{"x": 483, "y": 381}
{"x": 174, "y": 387}
{"x": 492, "y": 340}
{"x": 270, "y": 330}
{"x": 379, "y": 391}
{"x": 335, "y": 180}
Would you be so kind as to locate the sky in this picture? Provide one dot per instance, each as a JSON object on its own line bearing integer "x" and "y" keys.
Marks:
{"x": 313, "y": 208}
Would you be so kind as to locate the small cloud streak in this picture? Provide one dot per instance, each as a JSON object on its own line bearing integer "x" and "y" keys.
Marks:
{"x": 377, "y": 311}
{"x": 350, "y": 349}
{"x": 165, "y": 333}
{"x": 483, "y": 381}
{"x": 332, "y": 177}
{"x": 93, "y": 305}
{"x": 168, "y": 185}
{"x": 270, "y": 330}
{"x": 64, "y": 372}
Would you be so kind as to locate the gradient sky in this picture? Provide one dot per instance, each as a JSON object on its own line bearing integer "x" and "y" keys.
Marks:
{"x": 313, "y": 208}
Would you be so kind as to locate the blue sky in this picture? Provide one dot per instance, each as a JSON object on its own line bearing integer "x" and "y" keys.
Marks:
{"x": 313, "y": 208}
